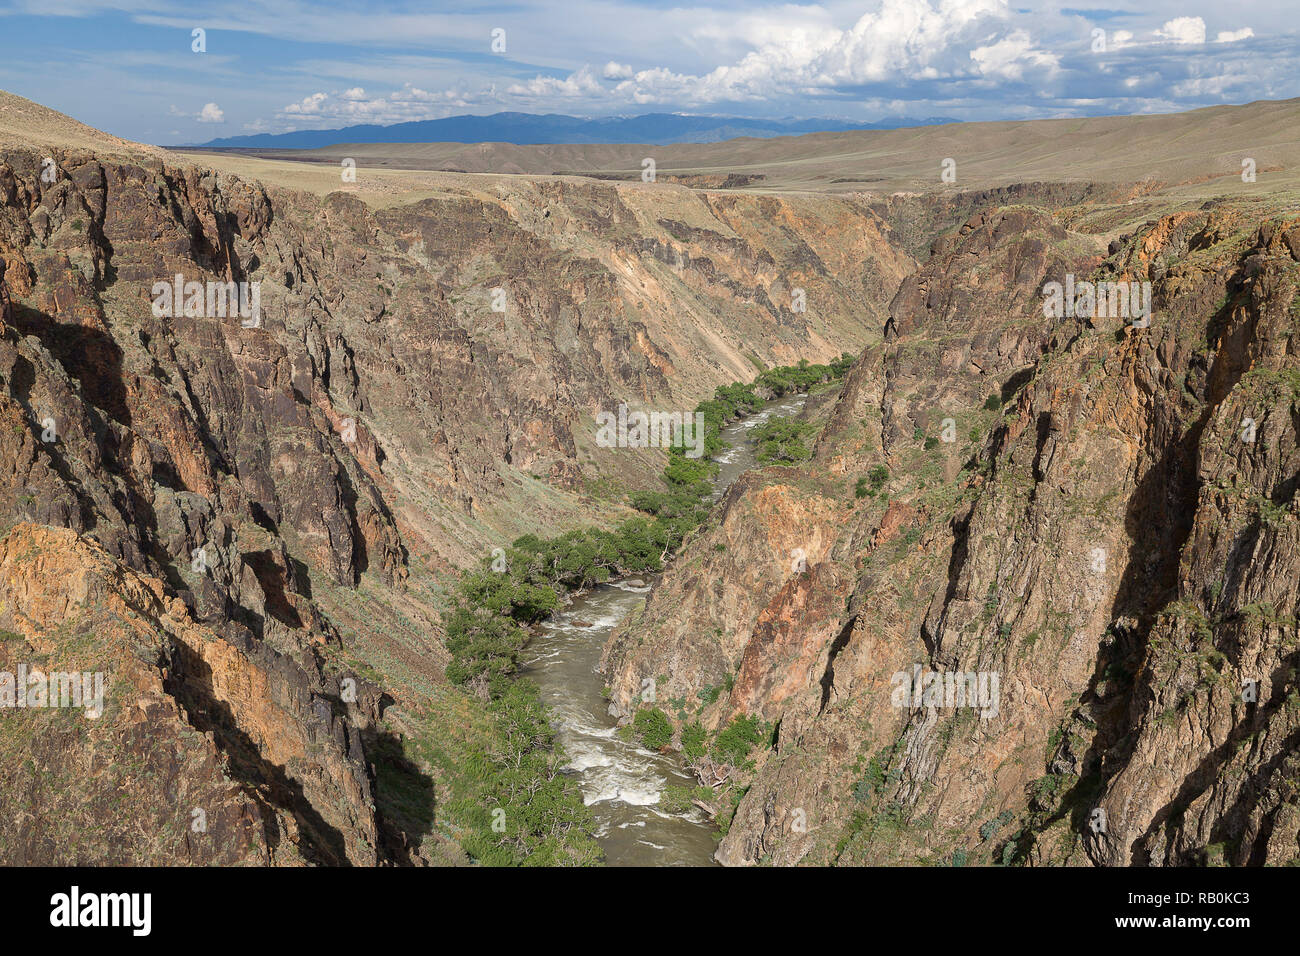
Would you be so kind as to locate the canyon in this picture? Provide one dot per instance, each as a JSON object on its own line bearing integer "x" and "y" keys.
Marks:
{"x": 255, "y": 531}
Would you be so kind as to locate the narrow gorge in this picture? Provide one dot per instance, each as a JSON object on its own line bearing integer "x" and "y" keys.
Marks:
{"x": 369, "y": 591}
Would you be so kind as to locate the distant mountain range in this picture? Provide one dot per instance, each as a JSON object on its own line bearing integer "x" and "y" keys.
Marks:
{"x": 555, "y": 128}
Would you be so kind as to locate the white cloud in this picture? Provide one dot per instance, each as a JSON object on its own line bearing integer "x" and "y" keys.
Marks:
{"x": 797, "y": 53}
{"x": 211, "y": 113}
{"x": 1183, "y": 30}
{"x": 904, "y": 38}
{"x": 1009, "y": 57}
{"x": 580, "y": 83}
{"x": 310, "y": 105}
{"x": 1226, "y": 36}
{"x": 351, "y": 107}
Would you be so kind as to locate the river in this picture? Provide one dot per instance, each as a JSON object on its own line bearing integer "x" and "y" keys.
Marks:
{"x": 621, "y": 782}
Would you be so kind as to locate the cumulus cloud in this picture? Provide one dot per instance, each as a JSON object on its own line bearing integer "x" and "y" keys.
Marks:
{"x": 1183, "y": 30}
{"x": 903, "y": 41}
{"x": 310, "y": 105}
{"x": 1226, "y": 36}
{"x": 1011, "y": 56}
{"x": 580, "y": 83}
{"x": 210, "y": 113}
{"x": 353, "y": 106}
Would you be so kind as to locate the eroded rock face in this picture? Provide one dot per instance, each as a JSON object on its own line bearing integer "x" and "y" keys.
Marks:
{"x": 202, "y": 750}
{"x": 1100, "y": 535}
{"x": 421, "y": 385}
{"x": 203, "y": 510}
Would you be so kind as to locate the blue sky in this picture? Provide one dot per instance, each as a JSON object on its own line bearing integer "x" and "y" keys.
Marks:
{"x": 127, "y": 66}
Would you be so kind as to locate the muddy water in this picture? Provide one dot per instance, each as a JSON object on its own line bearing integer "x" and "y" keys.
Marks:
{"x": 739, "y": 458}
{"x": 621, "y": 782}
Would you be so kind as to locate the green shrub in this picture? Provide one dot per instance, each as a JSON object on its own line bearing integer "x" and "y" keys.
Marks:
{"x": 678, "y": 799}
{"x": 693, "y": 740}
{"x": 872, "y": 482}
{"x": 541, "y": 809}
{"x": 738, "y": 738}
{"x": 877, "y": 778}
{"x": 675, "y": 799}
{"x": 781, "y": 441}
{"x": 653, "y": 728}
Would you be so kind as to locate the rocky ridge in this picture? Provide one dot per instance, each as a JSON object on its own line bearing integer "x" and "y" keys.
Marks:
{"x": 299, "y": 489}
{"x": 1100, "y": 534}
{"x": 251, "y": 529}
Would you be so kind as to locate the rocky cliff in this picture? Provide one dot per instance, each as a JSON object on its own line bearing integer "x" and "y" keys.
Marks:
{"x": 1098, "y": 514}
{"x": 249, "y": 527}
{"x": 259, "y": 514}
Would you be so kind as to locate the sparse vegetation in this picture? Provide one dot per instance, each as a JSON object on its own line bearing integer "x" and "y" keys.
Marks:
{"x": 871, "y": 483}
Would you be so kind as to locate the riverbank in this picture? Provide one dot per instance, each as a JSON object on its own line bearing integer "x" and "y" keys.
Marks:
{"x": 622, "y": 781}
{"x": 499, "y": 607}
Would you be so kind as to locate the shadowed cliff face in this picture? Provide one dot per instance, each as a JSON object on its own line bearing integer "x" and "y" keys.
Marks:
{"x": 422, "y": 385}
{"x": 1112, "y": 532}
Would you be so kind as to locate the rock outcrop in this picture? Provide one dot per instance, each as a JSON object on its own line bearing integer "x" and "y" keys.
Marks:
{"x": 203, "y": 749}
{"x": 246, "y": 524}
{"x": 1101, "y": 515}
{"x": 419, "y": 384}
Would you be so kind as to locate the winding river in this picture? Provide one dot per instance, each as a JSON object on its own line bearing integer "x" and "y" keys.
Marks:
{"x": 620, "y": 781}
